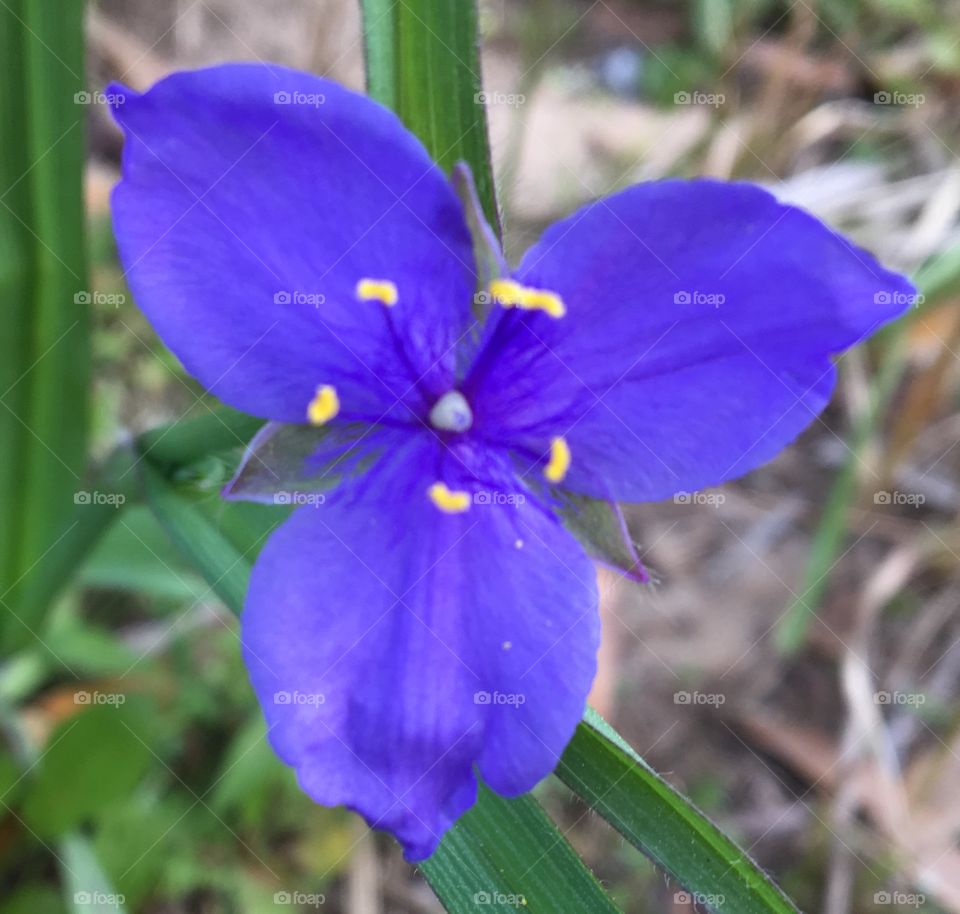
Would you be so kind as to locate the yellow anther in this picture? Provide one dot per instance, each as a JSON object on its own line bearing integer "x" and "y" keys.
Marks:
{"x": 559, "y": 462}
{"x": 324, "y": 406}
{"x": 512, "y": 294}
{"x": 381, "y": 290}
{"x": 541, "y": 300}
{"x": 451, "y": 501}
{"x": 507, "y": 292}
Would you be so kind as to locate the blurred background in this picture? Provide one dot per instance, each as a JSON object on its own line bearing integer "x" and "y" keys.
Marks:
{"x": 795, "y": 667}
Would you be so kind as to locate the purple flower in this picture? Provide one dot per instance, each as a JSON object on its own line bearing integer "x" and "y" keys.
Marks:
{"x": 430, "y": 620}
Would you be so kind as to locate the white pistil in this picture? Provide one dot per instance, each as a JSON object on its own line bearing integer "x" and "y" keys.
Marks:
{"x": 451, "y": 413}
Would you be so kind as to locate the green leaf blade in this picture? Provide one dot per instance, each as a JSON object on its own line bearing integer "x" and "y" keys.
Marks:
{"x": 506, "y": 855}
{"x": 16, "y": 246}
{"x": 423, "y": 62}
{"x": 601, "y": 768}
{"x": 43, "y": 433}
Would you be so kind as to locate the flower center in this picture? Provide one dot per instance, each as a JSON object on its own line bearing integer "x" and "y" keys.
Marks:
{"x": 451, "y": 412}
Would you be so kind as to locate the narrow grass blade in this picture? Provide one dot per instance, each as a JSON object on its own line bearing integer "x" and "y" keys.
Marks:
{"x": 43, "y": 214}
{"x": 506, "y": 855}
{"x": 422, "y": 61}
{"x": 831, "y": 532}
{"x": 186, "y": 441}
{"x": 938, "y": 281}
{"x": 16, "y": 244}
{"x": 86, "y": 888}
{"x": 225, "y": 568}
{"x": 619, "y": 785}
